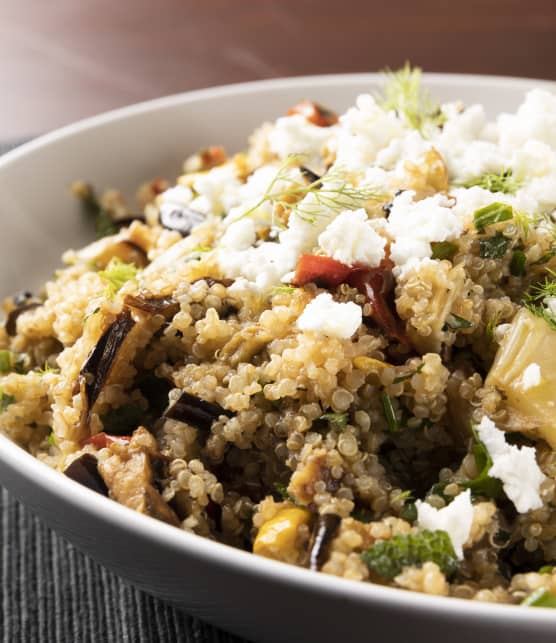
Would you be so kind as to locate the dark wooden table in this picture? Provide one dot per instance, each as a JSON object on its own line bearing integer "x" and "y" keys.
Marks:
{"x": 61, "y": 60}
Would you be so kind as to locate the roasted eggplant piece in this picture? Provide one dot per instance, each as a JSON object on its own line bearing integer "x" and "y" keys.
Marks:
{"x": 180, "y": 218}
{"x": 20, "y": 303}
{"x": 129, "y": 475}
{"x": 165, "y": 306}
{"x": 314, "y": 113}
{"x": 84, "y": 470}
{"x": 195, "y": 411}
{"x": 94, "y": 372}
{"x": 324, "y": 531}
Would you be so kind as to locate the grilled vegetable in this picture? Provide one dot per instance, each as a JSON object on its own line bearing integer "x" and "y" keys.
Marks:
{"x": 529, "y": 341}
{"x": 21, "y": 303}
{"x": 195, "y": 411}
{"x": 323, "y": 534}
{"x": 99, "y": 363}
{"x": 278, "y": 538}
{"x": 85, "y": 471}
{"x": 155, "y": 305}
{"x": 314, "y": 113}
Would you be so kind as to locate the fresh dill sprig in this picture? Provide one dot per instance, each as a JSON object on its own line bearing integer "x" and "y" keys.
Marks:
{"x": 404, "y": 94}
{"x": 503, "y": 182}
{"x": 491, "y": 324}
{"x": 330, "y": 192}
{"x": 337, "y": 420}
{"x": 535, "y": 299}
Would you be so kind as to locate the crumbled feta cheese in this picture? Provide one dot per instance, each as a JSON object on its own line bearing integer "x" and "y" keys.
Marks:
{"x": 534, "y": 119}
{"x": 218, "y": 190}
{"x": 531, "y": 377}
{"x": 239, "y": 235}
{"x": 405, "y": 148}
{"x": 455, "y": 519}
{"x": 178, "y": 195}
{"x": 415, "y": 224}
{"x": 326, "y": 316}
{"x": 365, "y": 130}
{"x": 296, "y": 135}
{"x": 500, "y": 331}
{"x": 516, "y": 467}
{"x": 351, "y": 239}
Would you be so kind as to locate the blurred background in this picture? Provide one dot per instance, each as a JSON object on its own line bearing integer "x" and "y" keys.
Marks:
{"x": 61, "y": 60}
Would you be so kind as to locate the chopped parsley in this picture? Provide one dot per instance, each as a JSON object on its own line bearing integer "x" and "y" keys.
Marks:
{"x": 117, "y": 274}
{"x": 387, "y": 559}
{"x": 389, "y": 413}
{"x": 541, "y": 597}
{"x": 491, "y": 214}
{"x": 104, "y": 223}
{"x": 404, "y": 94}
{"x": 517, "y": 263}
{"x": 483, "y": 484}
{"x": 10, "y": 361}
{"x": 52, "y": 439}
{"x": 455, "y": 322}
{"x": 5, "y": 400}
{"x": 534, "y": 300}
{"x": 491, "y": 325}
{"x": 123, "y": 420}
{"x": 546, "y": 569}
{"x": 443, "y": 249}
{"x": 493, "y": 247}
{"x": 503, "y": 182}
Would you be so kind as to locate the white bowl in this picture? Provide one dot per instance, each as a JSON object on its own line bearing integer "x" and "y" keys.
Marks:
{"x": 251, "y": 596}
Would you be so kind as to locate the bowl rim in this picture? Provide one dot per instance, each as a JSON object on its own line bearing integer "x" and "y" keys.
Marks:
{"x": 211, "y": 552}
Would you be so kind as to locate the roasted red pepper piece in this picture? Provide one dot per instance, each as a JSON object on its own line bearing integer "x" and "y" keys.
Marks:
{"x": 314, "y": 113}
{"x": 324, "y": 271}
{"x": 103, "y": 440}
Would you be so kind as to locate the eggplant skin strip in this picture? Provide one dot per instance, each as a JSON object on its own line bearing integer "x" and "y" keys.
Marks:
{"x": 195, "y": 411}
{"x": 97, "y": 367}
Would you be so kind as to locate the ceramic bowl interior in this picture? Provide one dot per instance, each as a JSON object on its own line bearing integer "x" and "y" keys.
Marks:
{"x": 258, "y": 598}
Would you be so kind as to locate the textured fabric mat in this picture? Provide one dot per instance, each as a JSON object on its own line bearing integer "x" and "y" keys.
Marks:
{"x": 51, "y": 593}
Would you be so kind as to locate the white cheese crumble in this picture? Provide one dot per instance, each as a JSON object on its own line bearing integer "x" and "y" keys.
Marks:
{"x": 531, "y": 376}
{"x": 516, "y": 467}
{"x": 177, "y": 195}
{"x": 217, "y": 189}
{"x": 239, "y": 235}
{"x": 455, "y": 519}
{"x": 296, "y": 135}
{"x": 326, "y": 316}
{"x": 351, "y": 239}
{"x": 415, "y": 224}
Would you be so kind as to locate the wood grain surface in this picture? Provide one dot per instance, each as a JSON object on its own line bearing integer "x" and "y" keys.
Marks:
{"x": 61, "y": 60}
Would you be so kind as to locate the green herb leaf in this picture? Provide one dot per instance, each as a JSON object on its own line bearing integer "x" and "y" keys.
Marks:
{"x": 123, "y": 420}
{"x": 403, "y": 94}
{"x": 483, "y": 484}
{"x": 387, "y": 559}
{"x": 491, "y": 214}
{"x": 409, "y": 512}
{"x": 534, "y": 300}
{"x": 455, "y": 322}
{"x": 517, "y": 263}
{"x": 491, "y": 326}
{"x": 363, "y": 515}
{"x": 104, "y": 223}
{"x": 282, "y": 491}
{"x": 389, "y": 413}
{"x": 493, "y": 247}
{"x": 443, "y": 249}
{"x": 541, "y": 597}
{"x": 52, "y": 439}
{"x": 10, "y": 361}
{"x": 503, "y": 182}
{"x": 5, "y": 400}
{"x": 408, "y": 376}
{"x": 117, "y": 274}
{"x": 546, "y": 569}
{"x": 339, "y": 420}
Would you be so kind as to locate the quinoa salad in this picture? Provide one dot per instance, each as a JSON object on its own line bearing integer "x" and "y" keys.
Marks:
{"x": 334, "y": 349}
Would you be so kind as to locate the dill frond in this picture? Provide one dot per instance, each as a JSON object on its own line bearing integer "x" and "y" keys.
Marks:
{"x": 404, "y": 94}
{"x": 491, "y": 325}
{"x": 535, "y": 299}
{"x": 504, "y": 182}
{"x": 331, "y": 191}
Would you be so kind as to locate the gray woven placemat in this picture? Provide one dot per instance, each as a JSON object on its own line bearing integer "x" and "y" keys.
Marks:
{"x": 51, "y": 593}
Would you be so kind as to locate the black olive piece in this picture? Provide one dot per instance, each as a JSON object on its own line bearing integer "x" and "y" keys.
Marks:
{"x": 181, "y": 219}
{"x": 195, "y": 411}
{"x": 155, "y": 305}
{"x": 309, "y": 174}
{"x": 85, "y": 471}
{"x": 22, "y": 297}
{"x": 323, "y": 533}
{"x": 387, "y": 208}
{"x": 94, "y": 372}
{"x": 11, "y": 319}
